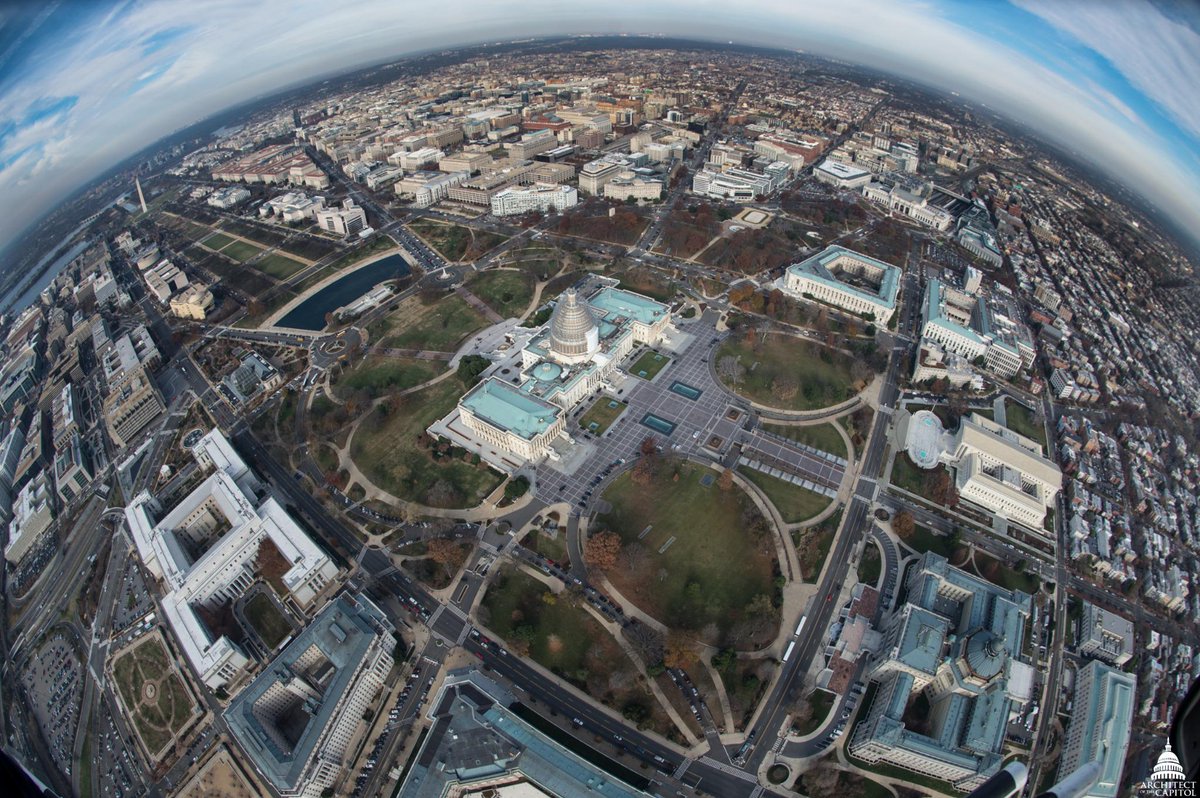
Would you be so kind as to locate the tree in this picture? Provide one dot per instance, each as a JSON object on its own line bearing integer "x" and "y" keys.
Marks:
{"x": 725, "y": 481}
{"x": 602, "y": 550}
{"x": 516, "y": 488}
{"x": 785, "y": 387}
{"x": 940, "y": 488}
{"x": 731, "y": 370}
{"x": 649, "y": 446}
{"x": 680, "y": 651}
{"x": 445, "y": 553}
{"x": 470, "y": 367}
{"x": 902, "y": 523}
{"x": 646, "y": 641}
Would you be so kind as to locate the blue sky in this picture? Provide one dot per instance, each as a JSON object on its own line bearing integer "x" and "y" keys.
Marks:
{"x": 84, "y": 85}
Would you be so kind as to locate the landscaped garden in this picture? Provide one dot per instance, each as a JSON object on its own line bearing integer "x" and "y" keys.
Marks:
{"x": 1023, "y": 421}
{"x": 786, "y": 372}
{"x": 813, "y": 544}
{"x": 268, "y": 623}
{"x": 695, "y": 552}
{"x": 649, "y": 364}
{"x": 600, "y": 416}
{"x": 153, "y": 694}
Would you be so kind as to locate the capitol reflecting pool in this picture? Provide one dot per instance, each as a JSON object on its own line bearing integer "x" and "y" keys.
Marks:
{"x": 310, "y": 314}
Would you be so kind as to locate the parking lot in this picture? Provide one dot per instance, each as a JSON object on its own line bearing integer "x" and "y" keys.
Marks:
{"x": 53, "y": 680}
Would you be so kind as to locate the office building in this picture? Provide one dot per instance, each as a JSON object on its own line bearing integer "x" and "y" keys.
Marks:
{"x": 540, "y": 197}
{"x": 345, "y": 221}
{"x": 479, "y": 746}
{"x": 66, "y": 416}
{"x": 994, "y": 468}
{"x": 210, "y": 548}
{"x": 422, "y": 158}
{"x": 1100, "y": 724}
{"x": 228, "y": 197}
{"x": 532, "y": 144}
{"x": 1105, "y": 635}
{"x": 847, "y": 280}
{"x": 301, "y": 718}
{"x": 294, "y": 206}
{"x": 957, "y": 639}
{"x": 923, "y": 203}
{"x": 427, "y": 188}
{"x": 979, "y": 328}
{"x": 740, "y": 185}
{"x": 10, "y": 456}
{"x": 465, "y": 161}
{"x": 131, "y": 406}
{"x": 32, "y": 514}
{"x": 628, "y": 185}
{"x": 193, "y": 302}
{"x": 842, "y": 175}
{"x": 72, "y": 470}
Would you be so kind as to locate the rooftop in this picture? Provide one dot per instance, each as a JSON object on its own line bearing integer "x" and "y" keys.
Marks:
{"x": 508, "y": 407}
{"x": 821, "y": 267}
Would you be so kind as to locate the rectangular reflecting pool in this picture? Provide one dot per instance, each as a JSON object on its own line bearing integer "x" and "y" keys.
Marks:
{"x": 657, "y": 424}
{"x": 685, "y": 390}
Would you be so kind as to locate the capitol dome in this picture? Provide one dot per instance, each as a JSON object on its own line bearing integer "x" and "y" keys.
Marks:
{"x": 1168, "y": 767}
{"x": 573, "y": 329}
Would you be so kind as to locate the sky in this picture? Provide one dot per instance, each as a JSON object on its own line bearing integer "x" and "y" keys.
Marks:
{"x": 83, "y": 85}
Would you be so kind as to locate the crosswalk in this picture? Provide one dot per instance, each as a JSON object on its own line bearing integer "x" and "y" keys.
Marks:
{"x": 730, "y": 769}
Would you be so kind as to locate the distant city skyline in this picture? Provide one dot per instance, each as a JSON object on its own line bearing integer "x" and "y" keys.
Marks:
{"x": 86, "y": 85}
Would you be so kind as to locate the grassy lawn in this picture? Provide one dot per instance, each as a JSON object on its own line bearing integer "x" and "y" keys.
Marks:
{"x": 377, "y": 246}
{"x": 793, "y": 502}
{"x": 390, "y": 446}
{"x": 1021, "y": 421}
{"x": 813, "y": 544}
{"x": 380, "y": 374}
{"x": 454, "y": 241}
{"x": 440, "y": 326}
{"x": 819, "y": 376}
{"x": 85, "y": 768}
{"x": 649, "y": 365}
{"x": 907, "y": 475}
{"x": 279, "y": 266}
{"x": 819, "y": 436}
{"x": 821, "y": 702}
{"x": 506, "y": 292}
{"x": 923, "y": 539}
{"x": 870, "y": 564}
{"x": 550, "y": 548}
{"x": 1009, "y": 578}
{"x": 603, "y": 412}
{"x": 267, "y": 621}
{"x": 217, "y": 241}
{"x": 721, "y": 559}
{"x": 241, "y": 251}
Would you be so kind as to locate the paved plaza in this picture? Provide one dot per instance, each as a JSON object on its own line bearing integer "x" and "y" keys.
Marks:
{"x": 707, "y": 427}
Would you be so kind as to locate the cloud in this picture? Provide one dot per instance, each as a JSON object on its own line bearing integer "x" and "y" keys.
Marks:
{"x": 1157, "y": 54}
{"x": 136, "y": 71}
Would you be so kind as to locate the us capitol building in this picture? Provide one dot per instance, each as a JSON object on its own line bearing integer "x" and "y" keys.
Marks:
{"x": 566, "y": 361}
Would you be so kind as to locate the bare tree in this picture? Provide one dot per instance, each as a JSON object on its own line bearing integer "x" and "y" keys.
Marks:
{"x": 731, "y": 370}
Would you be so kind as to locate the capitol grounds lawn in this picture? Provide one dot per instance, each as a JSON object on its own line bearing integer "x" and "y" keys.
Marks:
{"x": 819, "y": 436}
{"x": 923, "y": 539}
{"x": 269, "y": 625}
{"x": 171, "y": 708}
{"x": 649, "y": 364}
{"x": 506, "y": 292}
{"x": 717, "y": 564}
{"x": 378, "y": 375}
{"x": 564, "y": 638}
{"x": 278, "y": 266}
{"x": 822, "y": 374}
{"x": 998, "y": 573}
{"x": 436, "y": 326}
{"x": 1021, "y": 421}
{"x": 387, "y": 448}
{"x": 456, "y": 242}
{"x": 793, "y": 502}
{"x": 602, "y": 414}
{"x": 551, "y": 548}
